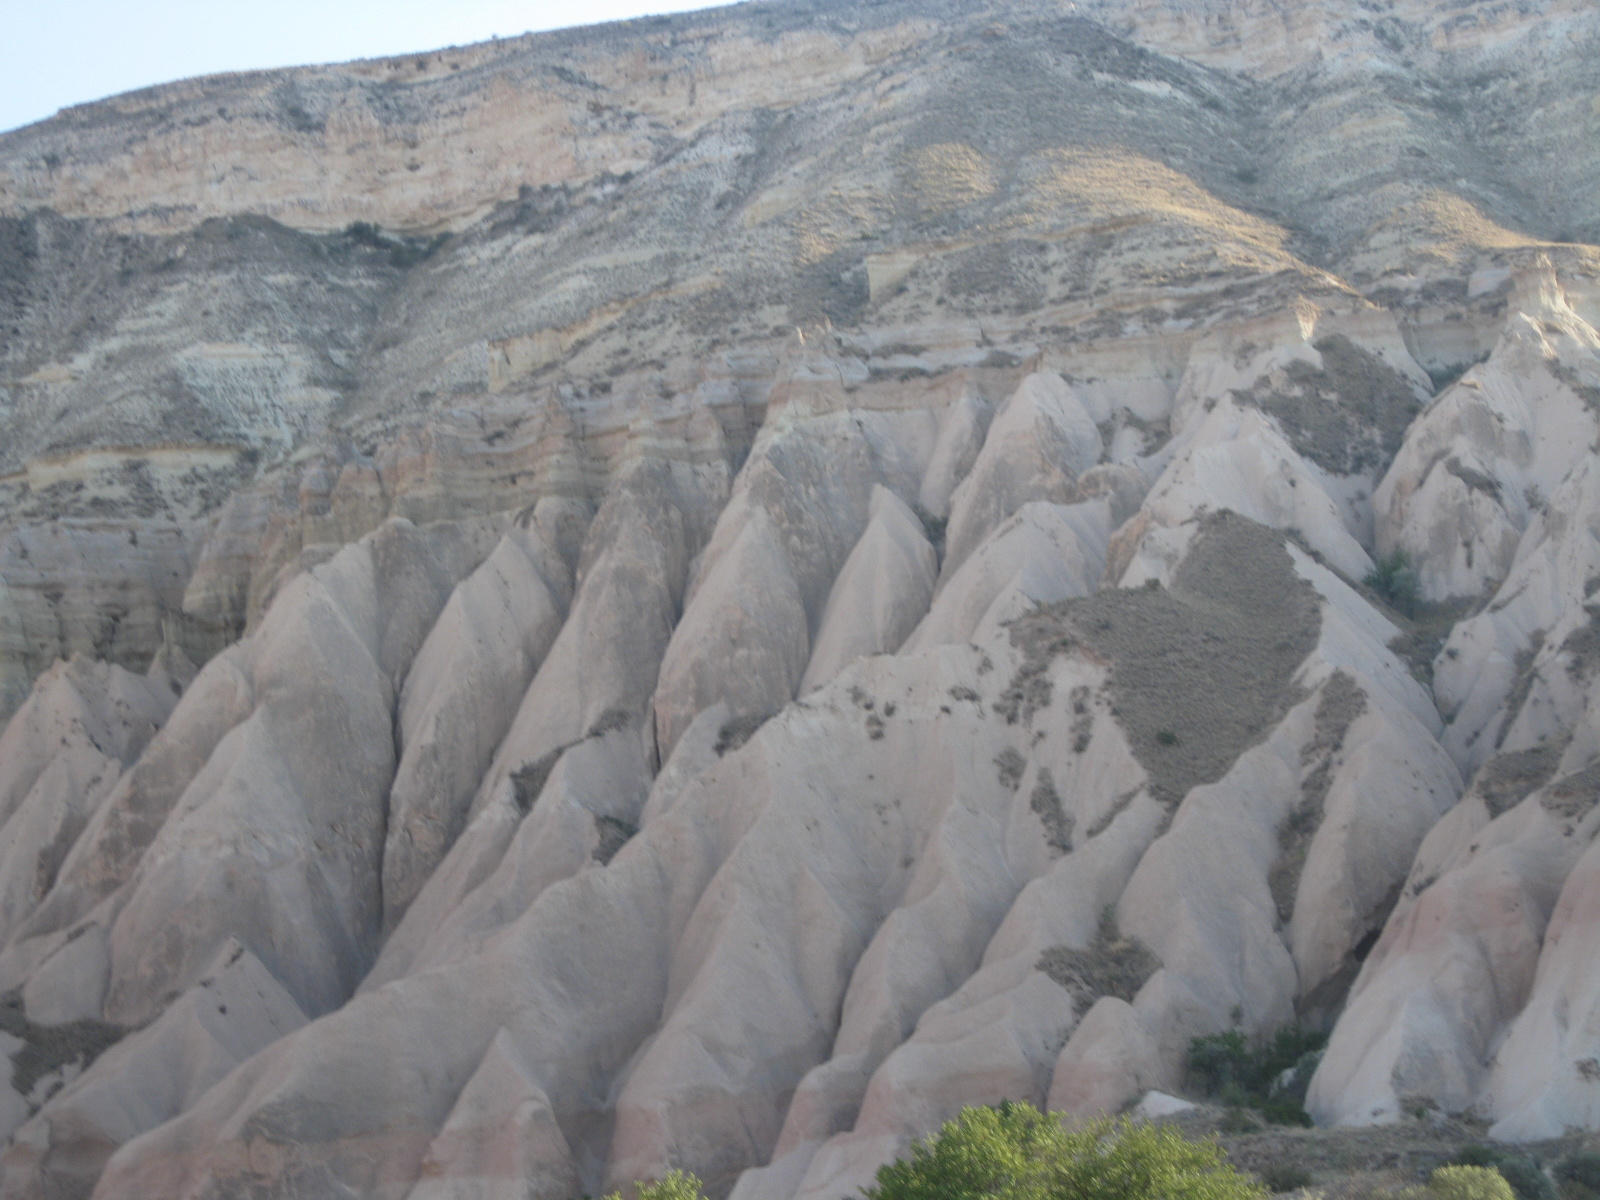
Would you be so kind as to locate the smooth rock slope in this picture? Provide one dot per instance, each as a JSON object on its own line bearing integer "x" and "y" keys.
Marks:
{"x": 707, "y": 592}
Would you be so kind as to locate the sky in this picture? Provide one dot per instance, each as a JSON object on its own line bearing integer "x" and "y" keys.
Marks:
{"x": 55, "y": 53}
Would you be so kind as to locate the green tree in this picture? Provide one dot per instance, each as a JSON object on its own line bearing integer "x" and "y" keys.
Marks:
{"x": 676, "y": 1186}
{"x": 1001, "y": 1152}
{"x": 1015, "y": 1152}
{"x": 1124, "y": 1161}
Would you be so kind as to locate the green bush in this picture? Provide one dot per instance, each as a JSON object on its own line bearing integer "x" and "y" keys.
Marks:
{"x": 1221, "y": 1059}
{"x": 367, "y": 234}
{"x": 1524, "y": 1176}
{"x": 983, "y": 1152}
{"x": 1461, "y": 1183}
{"x": 1230, "y": 1069}
{"x": 403, "y": 251}
{"x": 1015, "y": 1152}
{"x": 1238, "y": 1119}
{"x": 676, "y": 1186}
{"x": 1284, "y": 1112}
{"x": 1395, "y": 581}
{"x": 1123, "y": 1161}
{"x": 1285, "y": 1177}
{"x": 1581, "y": 1173}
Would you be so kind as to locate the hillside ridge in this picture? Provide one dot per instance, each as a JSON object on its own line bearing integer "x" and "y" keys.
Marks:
{"x": 705, "y": 592}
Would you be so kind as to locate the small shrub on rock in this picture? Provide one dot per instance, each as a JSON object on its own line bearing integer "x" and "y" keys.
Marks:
{"x": 1395, "y": 581}
{"x": 1015, "y": 1152}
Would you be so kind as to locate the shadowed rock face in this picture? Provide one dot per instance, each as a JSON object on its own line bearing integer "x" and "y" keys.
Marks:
{"x": 707, "y": 592}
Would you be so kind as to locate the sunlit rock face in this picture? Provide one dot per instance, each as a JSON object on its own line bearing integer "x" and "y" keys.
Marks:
{"x": 707, "y": 592}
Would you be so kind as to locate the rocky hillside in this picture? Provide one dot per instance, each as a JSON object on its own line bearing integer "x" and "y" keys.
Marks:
{"x": 706, "y": 592}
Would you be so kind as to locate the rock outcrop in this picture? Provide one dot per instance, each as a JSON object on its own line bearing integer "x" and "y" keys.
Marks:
{"x": 707, "y": 592}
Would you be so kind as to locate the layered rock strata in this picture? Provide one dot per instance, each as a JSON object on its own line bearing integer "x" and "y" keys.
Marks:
{"x": 708, "y": 592}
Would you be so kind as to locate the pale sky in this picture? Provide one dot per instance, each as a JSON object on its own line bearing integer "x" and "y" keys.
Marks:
{"x": 55, "y": 53}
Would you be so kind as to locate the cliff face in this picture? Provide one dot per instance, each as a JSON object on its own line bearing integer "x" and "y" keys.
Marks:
{"x": 634, "y": 597}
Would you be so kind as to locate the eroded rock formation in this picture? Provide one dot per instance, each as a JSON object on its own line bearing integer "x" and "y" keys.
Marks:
{"x": 706, "y": 592}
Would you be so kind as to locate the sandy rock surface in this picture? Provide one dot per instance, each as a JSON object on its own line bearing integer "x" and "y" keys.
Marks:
{"x": 705, "y": 593}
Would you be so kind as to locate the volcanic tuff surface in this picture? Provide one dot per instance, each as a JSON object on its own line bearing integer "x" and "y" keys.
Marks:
{"x": 706, "y": 592}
